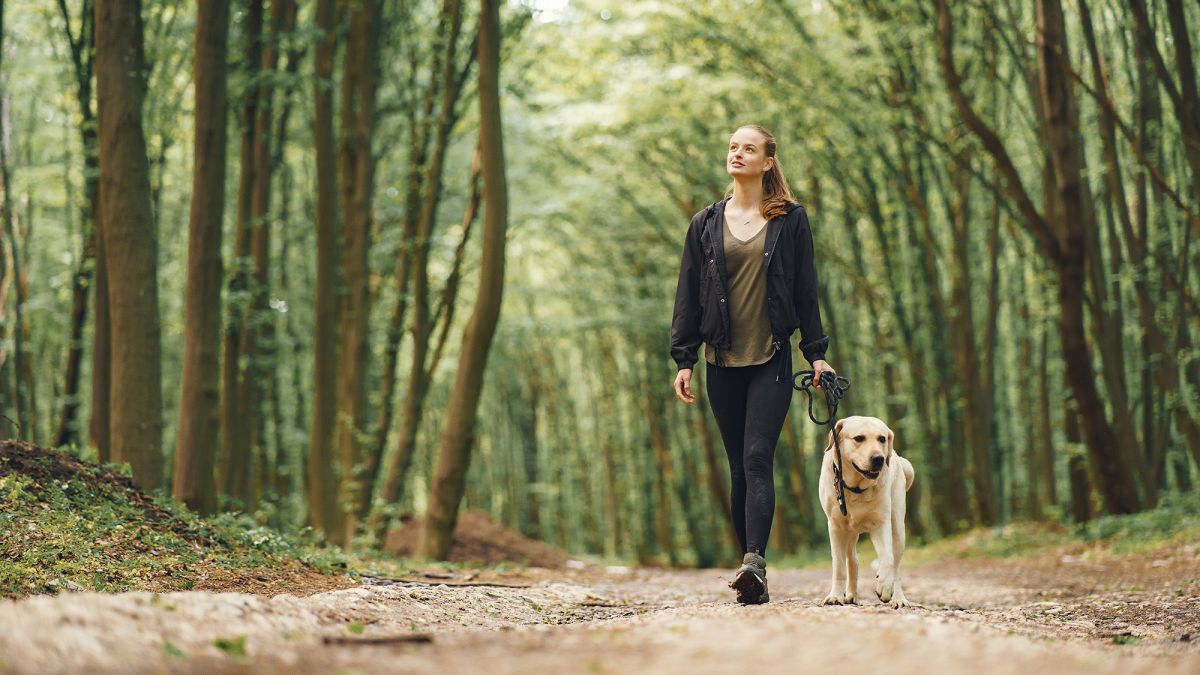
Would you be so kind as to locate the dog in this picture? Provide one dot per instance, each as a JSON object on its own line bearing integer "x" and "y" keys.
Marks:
{"x": 876, "y": 480}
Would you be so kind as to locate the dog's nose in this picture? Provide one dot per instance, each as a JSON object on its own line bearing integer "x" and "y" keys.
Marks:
{"x": 877, "y": 462}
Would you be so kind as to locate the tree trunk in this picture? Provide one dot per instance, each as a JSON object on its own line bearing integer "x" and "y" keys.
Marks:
{"x": 1045, "y": 437}
{"x": 239, "y": 409}
{"x": 360, "y": 79}
{"x": 1062, "y": 244}
{"x": 81, "y": 48}
{"x": 418, "y": 129}
{"x": 422, "y": 325}
{"x": 199, "y": 414}
{"x": 130, "y": 242}
{"x": 323, "y": 477}
{"x": 100, "y": 424}
{"x": 454, "y": 458}
{"x": 1114, "y": 458}
{"x": 22, "y": 394}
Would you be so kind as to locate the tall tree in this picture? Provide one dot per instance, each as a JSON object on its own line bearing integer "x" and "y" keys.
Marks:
{"x": 240, "y": 409}
{"x": 360, "y": 80}
{"x": 1060, "y": 239}
{"x": 22, "y": 391}
{"x": 322, "y": 479}
{"x": 199, "y": 416}
{"x": 420, "y": 376}
{"x": 81, "y": 46}
{"x": 454, "y": 457}
{"x": 130, "y": 242}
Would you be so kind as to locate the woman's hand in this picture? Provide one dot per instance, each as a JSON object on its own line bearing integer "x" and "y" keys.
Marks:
{"x": 820, "y": 366}
{"x": 683, "y": 386}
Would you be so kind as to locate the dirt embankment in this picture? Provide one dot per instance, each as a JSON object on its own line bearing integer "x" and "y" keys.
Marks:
{"x": 66, "y": 524}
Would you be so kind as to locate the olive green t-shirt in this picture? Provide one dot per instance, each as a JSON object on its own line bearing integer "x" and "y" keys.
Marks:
{"x": 751, "y": 342}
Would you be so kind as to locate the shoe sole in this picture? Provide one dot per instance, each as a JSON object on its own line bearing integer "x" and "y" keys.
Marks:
{"x": 750, "y": 589}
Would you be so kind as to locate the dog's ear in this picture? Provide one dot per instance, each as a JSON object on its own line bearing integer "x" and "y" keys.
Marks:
{"x": 891, "y": 436}
{"x": 836, "y": 431}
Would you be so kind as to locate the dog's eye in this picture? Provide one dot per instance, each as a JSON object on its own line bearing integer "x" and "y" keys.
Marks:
{"x": 882, "y": 439}
{"x": 859, "y": 438}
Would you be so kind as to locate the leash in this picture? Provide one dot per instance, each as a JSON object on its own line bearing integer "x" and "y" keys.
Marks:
{"x": 835, "y": 388}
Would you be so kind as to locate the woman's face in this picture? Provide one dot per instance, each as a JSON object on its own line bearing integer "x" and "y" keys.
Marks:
{"x": 747, "y": 156}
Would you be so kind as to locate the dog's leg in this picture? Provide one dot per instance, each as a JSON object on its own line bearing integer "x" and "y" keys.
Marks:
{"x": 852, "y": 569}
{"x": 837, "y": 547}
{"x": 885, "y": 580}
{"x": 898, "y": 542}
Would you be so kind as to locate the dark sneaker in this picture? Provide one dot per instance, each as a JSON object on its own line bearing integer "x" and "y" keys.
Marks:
{"x": 750, "y": 581}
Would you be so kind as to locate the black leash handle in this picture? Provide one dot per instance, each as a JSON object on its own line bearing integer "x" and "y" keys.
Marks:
{"x": 835, "y": 388}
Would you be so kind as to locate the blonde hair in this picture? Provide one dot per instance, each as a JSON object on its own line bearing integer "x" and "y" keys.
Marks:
{"x": 777, "y": 196}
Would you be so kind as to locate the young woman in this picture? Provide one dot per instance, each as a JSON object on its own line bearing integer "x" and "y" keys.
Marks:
{"x": 746, "y": 283}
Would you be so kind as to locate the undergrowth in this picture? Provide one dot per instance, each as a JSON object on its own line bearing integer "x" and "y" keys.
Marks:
{"x": 67, "y": 524}
{"x": 1175, "y": 521}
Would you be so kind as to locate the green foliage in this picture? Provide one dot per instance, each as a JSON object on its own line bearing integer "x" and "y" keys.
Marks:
{"x": 232, "y": 646}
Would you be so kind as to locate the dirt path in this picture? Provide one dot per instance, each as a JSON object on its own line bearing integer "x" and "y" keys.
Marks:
{"x": 1132, "y": 614}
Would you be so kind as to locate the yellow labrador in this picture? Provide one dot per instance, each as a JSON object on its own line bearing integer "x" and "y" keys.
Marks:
{"x": 876, "y": 479}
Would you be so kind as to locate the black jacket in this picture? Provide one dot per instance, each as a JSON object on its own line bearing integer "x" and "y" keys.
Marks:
{"x": 701, "y": 309}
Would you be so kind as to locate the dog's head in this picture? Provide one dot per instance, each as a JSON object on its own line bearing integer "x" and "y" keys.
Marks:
{"x": 866, "y": 444}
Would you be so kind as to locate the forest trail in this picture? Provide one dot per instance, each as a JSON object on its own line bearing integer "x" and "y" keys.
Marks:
{"x": 1136, "y": 613}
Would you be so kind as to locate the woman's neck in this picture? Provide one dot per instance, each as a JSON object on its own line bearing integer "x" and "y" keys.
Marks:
{"x": 747, "y": 194}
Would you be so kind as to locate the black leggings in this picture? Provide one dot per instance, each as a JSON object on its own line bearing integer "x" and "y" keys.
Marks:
{"x": 750, "y": 407}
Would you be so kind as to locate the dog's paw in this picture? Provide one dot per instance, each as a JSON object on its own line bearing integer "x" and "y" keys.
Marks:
{"x": 899, "y": 601}
{"x": 850, "y": 599}
{"x": 834, "y": 599}
{"x": 884, "y": 590}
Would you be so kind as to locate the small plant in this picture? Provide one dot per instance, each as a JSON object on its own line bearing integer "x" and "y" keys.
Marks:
{"x": 232, "y": 646}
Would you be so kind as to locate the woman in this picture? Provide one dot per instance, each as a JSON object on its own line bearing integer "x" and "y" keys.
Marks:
{"x": 746, "y": 283}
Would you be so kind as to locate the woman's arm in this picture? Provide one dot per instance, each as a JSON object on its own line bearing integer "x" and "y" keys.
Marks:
{"x": 813, "y": 341}
{"x": 685, "y": 323}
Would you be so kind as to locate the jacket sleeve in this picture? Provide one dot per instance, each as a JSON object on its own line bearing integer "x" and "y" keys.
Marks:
{"x": 685, "y": 322}
{"x": 813, "y": 341}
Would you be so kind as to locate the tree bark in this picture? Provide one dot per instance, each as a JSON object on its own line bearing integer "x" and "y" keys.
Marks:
{"x": 360, "y": 80}
{"x": 81, "y": 47}
{"x": 422, "y": 325}
{"x": 1114, "y": 457}
{"x": 323, "y": 477}
{"x": 239, "y": 409}
{"x": 130, "y": 242}
{"x": 454, "y": 457}
{"x": 21, "y": 391}
{"x": 199, "y": 412}
{"x": 100, "y": 424}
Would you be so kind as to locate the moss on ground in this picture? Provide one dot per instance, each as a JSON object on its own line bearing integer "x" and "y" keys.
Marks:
{"x": 72, "y": 525}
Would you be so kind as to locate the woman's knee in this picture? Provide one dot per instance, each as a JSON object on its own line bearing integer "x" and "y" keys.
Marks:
{"x": 759, "y": 459}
